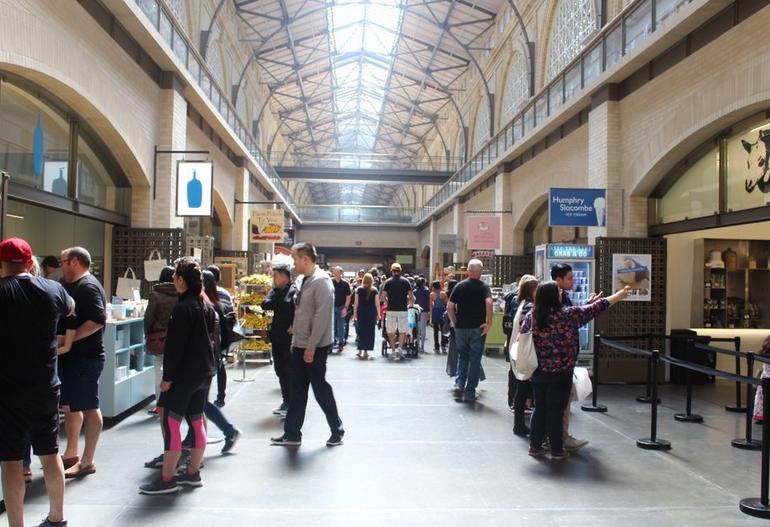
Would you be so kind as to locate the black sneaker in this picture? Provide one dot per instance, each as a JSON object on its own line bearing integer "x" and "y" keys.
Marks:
{"x": 189, "y": 480}
{"x": 559, "y": 455}
{"x": 160, "y": 487}
{"x": 220, "y": 402}
{"x": 156, "y": 462}
{"x": 335, "y": 439}
{"x": 285, "y": 441}
{"x": 458, "y": 392}
{"x": 230, "y": 441}
{"x": 49, "y": 523}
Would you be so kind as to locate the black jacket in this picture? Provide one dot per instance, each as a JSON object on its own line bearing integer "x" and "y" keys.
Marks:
{"x": 189, "y": 351}
{"x": 160, "y": 306}
{"x": 281, "y": 303}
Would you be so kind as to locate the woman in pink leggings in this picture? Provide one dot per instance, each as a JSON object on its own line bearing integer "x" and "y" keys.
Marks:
{"x": 189, "y": 363}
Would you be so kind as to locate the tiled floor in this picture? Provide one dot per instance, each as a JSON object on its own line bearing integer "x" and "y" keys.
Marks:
{"x": 414, "y": 456}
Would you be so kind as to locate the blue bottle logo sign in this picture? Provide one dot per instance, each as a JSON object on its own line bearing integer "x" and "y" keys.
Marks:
{"x": 194, "y": 192}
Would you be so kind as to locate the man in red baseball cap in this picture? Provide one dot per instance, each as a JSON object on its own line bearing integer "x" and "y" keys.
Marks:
{"x": 30, "y": 309}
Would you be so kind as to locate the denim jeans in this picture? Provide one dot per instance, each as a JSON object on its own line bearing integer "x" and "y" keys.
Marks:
{"x": 339, "y": 325}
{"x": 470, "y": 347}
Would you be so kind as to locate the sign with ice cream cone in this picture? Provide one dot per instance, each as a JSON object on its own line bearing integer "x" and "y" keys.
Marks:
{"x": 577, "y": 207}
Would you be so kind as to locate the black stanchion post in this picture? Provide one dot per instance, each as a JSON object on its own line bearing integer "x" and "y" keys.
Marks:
{"x": 594, "y": 406}
{"x": 653, "y": 442}
{"x": 748, "y": 443}
{"x": 688, "y": 416}
{"x": 738, "y": 406}
{"x": 647, "y": 399}
{"x": 760, "y": 507}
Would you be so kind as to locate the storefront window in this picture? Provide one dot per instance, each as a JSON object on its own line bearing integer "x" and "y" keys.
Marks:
{"x": 34, "y": 141}
{"x": 96, "y": 185}
{"x": 695, "y": 193}
{"x": 49, "y": 232}
{"x": 748, "y": 173}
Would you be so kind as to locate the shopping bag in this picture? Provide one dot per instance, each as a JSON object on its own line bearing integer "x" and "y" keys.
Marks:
{"x": 127, "y": 285}
{"x": 153, "y": 266}
{"x": 581, "y": 383}
{"x": 155, "y": 342}
{"x": 522, "y": 350}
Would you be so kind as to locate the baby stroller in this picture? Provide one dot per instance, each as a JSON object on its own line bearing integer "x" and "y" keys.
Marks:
{"x": 410, "y": 342}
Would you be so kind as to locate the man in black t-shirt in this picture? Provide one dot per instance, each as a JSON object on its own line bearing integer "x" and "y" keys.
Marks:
{"x": 342, "y": 295}
{"x": 470, "y": 310}
{"x": 31, "y": 308}
{"x": 397, "y": 294}
{"x": 81, "y": 367}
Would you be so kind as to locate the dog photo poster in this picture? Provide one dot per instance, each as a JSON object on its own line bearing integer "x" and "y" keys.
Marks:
{"x": 633, "y": 270}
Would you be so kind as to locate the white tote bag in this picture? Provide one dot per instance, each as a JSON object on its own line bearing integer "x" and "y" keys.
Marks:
{"x": 522, "y": 351}
{"x": 127, "y": 285}
{"x": 153, "y": 266}
{"x": 581, "y": 383}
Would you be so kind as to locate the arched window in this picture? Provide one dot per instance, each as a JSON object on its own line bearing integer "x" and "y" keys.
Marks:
{"x": 573, "y": 22}
{"x": 460, "y": 147}
{"x": 516, "y": 88}
{"x": 481, "y": 127}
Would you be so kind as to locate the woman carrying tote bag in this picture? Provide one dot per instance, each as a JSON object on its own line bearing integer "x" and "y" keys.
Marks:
{"x": 523, "y": 388}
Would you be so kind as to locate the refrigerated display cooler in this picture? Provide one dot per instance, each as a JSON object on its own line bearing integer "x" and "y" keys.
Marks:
{"x": 581, "y": 259}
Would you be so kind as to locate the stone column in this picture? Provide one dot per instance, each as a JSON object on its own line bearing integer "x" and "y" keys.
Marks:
{"x": 458, "y": 227}
{"x": 172, "y": 135}
{"x": 504, "y": 202}
{"x": 241, "y": 212}
{"x": 604, "y": 159}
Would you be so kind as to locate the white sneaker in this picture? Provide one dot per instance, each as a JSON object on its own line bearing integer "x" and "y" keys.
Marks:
{"x": 572, "y": 444}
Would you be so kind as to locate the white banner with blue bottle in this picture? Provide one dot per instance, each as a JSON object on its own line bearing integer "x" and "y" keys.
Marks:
{"x": 194, "y": 187}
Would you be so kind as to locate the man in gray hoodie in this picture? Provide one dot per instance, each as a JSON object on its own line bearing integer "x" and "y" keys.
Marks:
{"x": 313, "y": 331}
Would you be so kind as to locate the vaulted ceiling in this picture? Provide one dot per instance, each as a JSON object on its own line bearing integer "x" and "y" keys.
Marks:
{"x": 363, "y": 77}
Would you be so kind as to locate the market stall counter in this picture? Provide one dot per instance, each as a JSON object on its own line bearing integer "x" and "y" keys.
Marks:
{"x": 129, "y": 377}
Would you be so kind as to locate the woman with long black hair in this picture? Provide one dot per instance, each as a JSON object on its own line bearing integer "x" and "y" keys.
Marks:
{"x": 554, "y": 330}
{"x": 189, "y": 363}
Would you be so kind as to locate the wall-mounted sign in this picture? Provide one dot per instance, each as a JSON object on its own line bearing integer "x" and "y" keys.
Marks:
{"x": 194, "y": 188}
{"x": 483, "y": 232}
{"x": 406, "y": 259}
{"x": 483, "y": 254}
{"x": 449, "y": 243}
{"x": 267, "y": 225}
{"x": 633, "y": 270}
{"x": 55, "y": 177}
{"x": 570, "y": 252}
{"x": 577, "y": 207}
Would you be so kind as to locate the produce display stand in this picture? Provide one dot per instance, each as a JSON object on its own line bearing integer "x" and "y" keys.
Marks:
{"x": 254, "y": 323}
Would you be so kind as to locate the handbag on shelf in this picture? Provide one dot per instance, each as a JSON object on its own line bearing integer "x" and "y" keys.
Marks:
{"x": 155, "y": 342}
{"x": 126, "y": 285}
{"x": 153, "y": 266}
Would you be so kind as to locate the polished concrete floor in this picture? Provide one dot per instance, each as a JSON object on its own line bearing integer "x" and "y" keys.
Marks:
{"x": 414, "y": 456}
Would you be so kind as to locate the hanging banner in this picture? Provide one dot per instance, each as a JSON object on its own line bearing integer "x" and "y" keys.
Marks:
{"x": 633, "y": 270}
{"x": 483, "y": 232}
{"x": 267, "y": 225}
{"x": 577, "y": 207}
{"x": 194, "y": 187}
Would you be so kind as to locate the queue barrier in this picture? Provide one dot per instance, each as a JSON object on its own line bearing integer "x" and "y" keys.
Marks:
{"x": 758, "y": 507}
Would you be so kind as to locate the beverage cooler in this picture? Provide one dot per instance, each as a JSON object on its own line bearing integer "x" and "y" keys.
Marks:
{"x": 581, "y": 259}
